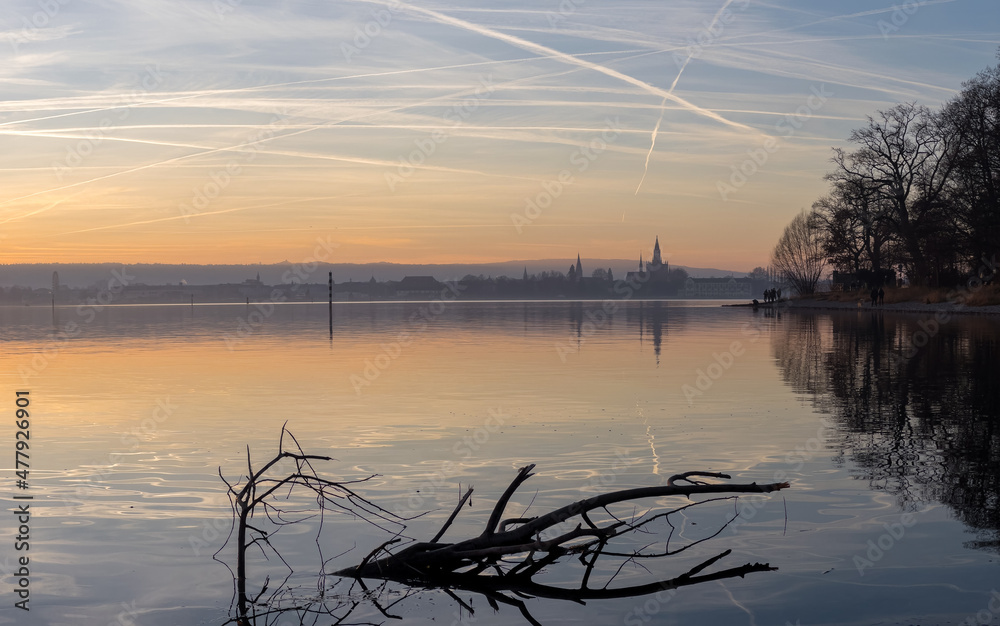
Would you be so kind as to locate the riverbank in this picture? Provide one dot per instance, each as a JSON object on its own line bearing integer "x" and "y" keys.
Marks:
{"x": 901, "y": 307}
{"x": 983, "y": 301}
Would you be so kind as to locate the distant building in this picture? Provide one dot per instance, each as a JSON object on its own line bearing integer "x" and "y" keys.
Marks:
{"x": 638, "y": 276}
{"x": 254, "y": 288}
{"x": 254, "y": 282}
{"x": 654, "y": 272}
{"x": 418, "y": 287}
{"x": 656, "y": 265}
{"x": 718, "y": 288}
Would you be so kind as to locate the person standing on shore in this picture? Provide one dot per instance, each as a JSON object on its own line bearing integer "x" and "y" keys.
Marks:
{"x": 881, "y": 296}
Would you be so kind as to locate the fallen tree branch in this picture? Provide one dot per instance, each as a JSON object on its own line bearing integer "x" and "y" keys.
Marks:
{"x": 499, "y": 563}
{"x": 434, "y": 558}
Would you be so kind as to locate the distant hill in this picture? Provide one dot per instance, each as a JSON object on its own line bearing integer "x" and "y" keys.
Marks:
{"x": 86, "y": 274}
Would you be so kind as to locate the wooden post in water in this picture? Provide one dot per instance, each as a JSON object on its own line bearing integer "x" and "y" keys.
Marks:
{"x": 329, "y": 304}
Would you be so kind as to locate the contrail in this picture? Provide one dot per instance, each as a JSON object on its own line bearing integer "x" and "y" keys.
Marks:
{"x": 652, "y": 141}
{"x": 36, "y": 211}
{"x": 217, "y": 92}
{"x": 652, "y": 144}
{"x": 208, "y": 151}
{"x": 568, "y": 58}
{"x": 833, "y": 18}
{"x": 237, "y": 147}
{"x": 186, "y": 216}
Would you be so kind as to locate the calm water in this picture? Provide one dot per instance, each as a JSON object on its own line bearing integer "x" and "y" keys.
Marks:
{"x": 133, "y": 415}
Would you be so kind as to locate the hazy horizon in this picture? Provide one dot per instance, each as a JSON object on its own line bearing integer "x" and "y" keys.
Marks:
{"x": 84, "y": 274}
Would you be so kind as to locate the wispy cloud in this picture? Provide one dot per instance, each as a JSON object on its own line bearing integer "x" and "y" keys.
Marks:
{"x": 74, "y": 93}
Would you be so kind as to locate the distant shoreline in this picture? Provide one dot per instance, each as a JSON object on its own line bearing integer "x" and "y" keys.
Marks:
{"x": 895, "y": 307}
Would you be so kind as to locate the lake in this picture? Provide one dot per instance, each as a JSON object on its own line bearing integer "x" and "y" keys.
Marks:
{"x": 886, "y": 426}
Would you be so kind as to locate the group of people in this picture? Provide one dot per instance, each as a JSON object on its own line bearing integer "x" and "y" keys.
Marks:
{"x": 772, "y": 295}
{"x": 878, "y": 296}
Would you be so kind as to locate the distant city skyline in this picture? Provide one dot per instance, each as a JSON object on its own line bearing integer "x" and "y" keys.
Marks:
{"x": 84, "y": 274}
{"x": 237, "y": 132}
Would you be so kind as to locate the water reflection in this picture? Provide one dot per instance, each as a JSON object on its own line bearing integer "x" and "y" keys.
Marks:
{"x": 137, "y": 490}
{"x": 918, "y": 402}
{"x": 651, "y": 320}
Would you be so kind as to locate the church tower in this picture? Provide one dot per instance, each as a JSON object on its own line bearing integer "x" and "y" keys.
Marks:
{"x": 657, "y": 262}
{"x": 579, "y": 268}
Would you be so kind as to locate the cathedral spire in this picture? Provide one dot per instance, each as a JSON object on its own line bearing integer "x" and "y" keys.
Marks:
{"x": 579, "y": 268}
{"x": 657, "y": 261}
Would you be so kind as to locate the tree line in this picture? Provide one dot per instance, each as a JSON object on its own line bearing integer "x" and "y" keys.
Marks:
{"x": 917, "y": 190}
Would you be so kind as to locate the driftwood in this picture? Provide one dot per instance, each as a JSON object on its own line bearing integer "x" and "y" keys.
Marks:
{"x": 435, "y": 559}
{"x": 258, "y": 496}
{"x": 500, "y": 563}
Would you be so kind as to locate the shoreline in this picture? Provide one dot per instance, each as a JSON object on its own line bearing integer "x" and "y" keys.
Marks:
{"x": 895, "y": 307}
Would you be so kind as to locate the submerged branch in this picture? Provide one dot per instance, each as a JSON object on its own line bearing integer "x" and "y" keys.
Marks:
{"x": 434, "y": 558}
{"x": 499, "y": 563}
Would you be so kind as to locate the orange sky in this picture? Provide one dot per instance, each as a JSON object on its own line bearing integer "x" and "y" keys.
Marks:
{"x": 513, "y": 134}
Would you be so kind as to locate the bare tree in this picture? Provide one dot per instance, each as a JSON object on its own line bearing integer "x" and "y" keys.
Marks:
{"x": 973, "y": 119}
{"x": 902, "y": 157}
{"x": 759, "y": 273}
{"x": 857, "y": 234}
{"x": 799, "y": 256}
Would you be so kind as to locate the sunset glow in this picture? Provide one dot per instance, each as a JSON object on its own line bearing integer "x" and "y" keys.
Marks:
{"x": 239, "y": 132}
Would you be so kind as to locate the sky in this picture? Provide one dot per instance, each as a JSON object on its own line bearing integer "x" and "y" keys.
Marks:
{"x": 246, "y": 131}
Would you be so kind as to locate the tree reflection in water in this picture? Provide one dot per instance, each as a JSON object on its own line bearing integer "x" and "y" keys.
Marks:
{"x": 923, "y": 428}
